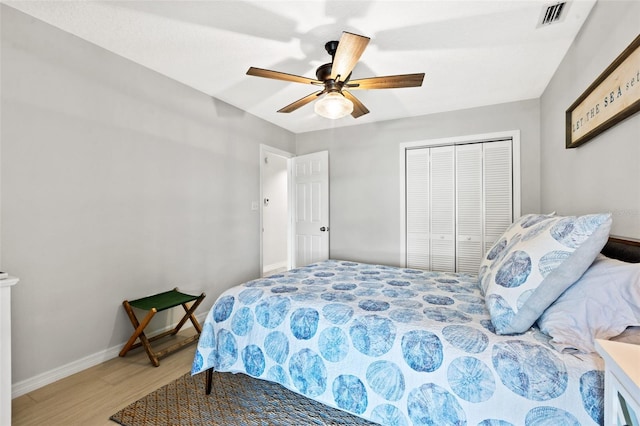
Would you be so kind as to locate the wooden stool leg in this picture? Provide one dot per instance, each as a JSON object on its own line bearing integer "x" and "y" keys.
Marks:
{"x": 190, "y": 316}
{"x": 193, "y": 318}
{"x": 153, "y": 357}
{"x": 139, "y": 333}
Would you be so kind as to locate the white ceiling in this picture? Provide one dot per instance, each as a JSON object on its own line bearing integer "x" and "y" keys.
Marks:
{"x": 473, "y": 53}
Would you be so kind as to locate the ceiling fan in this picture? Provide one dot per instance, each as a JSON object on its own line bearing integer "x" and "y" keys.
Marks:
{"x": 335, "y": 76}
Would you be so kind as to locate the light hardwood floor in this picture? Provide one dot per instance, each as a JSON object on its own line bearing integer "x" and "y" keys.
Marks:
{"x": 91, "y": 396}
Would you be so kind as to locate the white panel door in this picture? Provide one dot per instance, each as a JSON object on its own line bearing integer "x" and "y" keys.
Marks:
{"x": 469, "y": 247}
{"x": 311, "y": 183}
{"x": 417, "y": 208}
{"x": 443, "y": 209}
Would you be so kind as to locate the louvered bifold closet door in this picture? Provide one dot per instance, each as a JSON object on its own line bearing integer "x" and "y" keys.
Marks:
{"x": 443, "y": 209}
{"x": 417, "y": 188}
{"x": 498, "y": 190}
{"x": 469, "y": 212}
{"x": 459, "y": 200}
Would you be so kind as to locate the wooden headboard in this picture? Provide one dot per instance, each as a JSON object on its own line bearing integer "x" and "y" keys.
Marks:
{"x": 625, "y": 249}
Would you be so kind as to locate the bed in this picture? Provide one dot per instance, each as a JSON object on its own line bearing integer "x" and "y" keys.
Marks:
{"x": 402, "y": 346}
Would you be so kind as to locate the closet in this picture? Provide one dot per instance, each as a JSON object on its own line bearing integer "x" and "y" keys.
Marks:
{"x": 459, "y": 199}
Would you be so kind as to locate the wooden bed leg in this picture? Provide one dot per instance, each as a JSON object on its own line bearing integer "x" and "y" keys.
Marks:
{"x": 209, "y": 382}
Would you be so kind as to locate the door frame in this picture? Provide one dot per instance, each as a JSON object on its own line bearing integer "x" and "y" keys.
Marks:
{"x": 456, "y": 140}
{"x": 264, "y": 150}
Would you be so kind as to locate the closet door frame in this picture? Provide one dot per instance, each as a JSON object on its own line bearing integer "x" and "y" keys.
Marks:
{"x": 514, "y": 135}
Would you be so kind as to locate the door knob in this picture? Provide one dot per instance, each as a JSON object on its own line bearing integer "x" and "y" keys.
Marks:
{"x": 323, "y": 229}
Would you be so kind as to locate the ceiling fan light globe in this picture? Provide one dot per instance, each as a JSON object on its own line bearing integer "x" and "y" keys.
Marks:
{"x": 333, "y": 105}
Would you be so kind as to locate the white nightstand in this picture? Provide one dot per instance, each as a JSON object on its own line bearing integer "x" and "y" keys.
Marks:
{"x": 5, "y": 349}
{"x": 621, "y": 382}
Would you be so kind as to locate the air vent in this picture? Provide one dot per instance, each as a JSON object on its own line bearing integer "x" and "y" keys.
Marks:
{"x": 552, "y": 14}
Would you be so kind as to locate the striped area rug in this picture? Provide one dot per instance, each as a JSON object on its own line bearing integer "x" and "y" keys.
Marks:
{"x": 235, "y": 400}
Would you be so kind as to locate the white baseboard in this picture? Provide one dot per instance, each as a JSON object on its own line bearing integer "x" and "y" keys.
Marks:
{"x": 48, "y": 377}
{"x": 275, "y": 266}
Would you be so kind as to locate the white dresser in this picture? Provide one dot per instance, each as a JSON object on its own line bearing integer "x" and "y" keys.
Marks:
{"x": 5, "y": 349}
{"x": 621, "y": 382}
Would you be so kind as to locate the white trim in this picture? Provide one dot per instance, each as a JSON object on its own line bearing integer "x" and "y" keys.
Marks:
{"x": 514, "y": 135}
{"x": 517, "y": 184}
{"x": 403, "y": 205}
{"x": 460, "y": 140}
{"x": 280, "y": 152}
{"x": 264, "y": 149}
{"x": 274, "y": 266}
{"x": 48, "y": 377}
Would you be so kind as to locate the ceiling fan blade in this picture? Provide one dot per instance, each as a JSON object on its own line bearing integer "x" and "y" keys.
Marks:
{"x": 277, "y": 75}
{"x": 388, "y": 82}
{"x": 301, "y": 102}
{"x": 358, "y": 107}
{"x": 350, "y": 48}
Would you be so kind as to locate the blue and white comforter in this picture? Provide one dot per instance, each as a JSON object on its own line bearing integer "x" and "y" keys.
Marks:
{"x": 398, "y": 347}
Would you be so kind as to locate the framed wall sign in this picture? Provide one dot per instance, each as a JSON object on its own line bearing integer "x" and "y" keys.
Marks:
{"x": 612, "y": 97}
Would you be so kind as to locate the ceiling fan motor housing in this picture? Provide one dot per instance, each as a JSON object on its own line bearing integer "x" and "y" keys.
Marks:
{"x": 323, "y": 72}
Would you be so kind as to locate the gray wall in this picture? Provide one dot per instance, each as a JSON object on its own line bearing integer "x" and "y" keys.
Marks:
{"x": 364, "y": 175}
{"x": 117, "y": 182}
{"x": 604, "y": 173}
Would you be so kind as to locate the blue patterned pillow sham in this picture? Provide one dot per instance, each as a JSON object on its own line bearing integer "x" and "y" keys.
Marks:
{"x": 534, "y": 262}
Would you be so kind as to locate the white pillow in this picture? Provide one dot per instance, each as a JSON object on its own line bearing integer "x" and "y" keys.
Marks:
{"x": 534, "y": 261}
{"x": 602, "y": 304}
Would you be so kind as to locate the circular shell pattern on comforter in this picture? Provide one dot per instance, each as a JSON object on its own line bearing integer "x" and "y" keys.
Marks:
{"x": 398, "y": 347}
